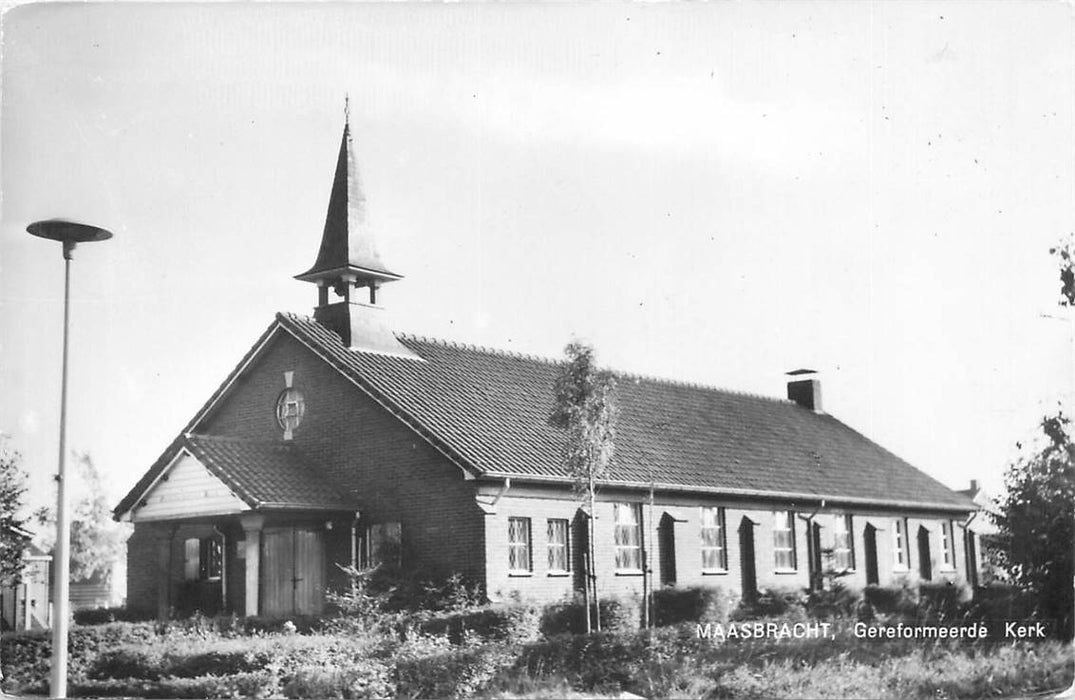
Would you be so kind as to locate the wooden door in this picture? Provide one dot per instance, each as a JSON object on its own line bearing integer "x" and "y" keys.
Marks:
{"x": 925, "y": 557}
{"x": 292, "y": 572}
{"x": 580, "y": 529}
{"x": 813, "y": 551}
{"x": 666, "y": 544}
{"x": 972, "y": 558}
{"x": 309, "y": 585}
{"x": 869, "y": 536}
{"x": 747, "y": 572}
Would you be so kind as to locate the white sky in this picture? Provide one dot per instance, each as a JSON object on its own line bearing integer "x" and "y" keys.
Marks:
{"x": 719, "y": 193}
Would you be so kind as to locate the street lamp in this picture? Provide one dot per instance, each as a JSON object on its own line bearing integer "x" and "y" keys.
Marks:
{"x": 70, "y": 234}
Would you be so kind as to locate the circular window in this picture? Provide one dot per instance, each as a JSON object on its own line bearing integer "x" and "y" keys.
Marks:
{"x": 290, "y": 408}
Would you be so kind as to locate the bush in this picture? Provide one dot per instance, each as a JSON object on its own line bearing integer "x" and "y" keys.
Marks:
{"x": 899, "y": 601}
{"x": 1002, "y": 602}
{"x": 101, "y": 616}
{"x": 259, "y": 684}
{"x": 837, "y": 601}
{"x": 357, "y": 678}
{"x": 694, "y": 604}
{"x": 570, "y": 618}
{"x": 513, "y": 624}
{"x": 773, "y": 602}
{"x": 458, "y": 673}
{"x": 942, "y": 600}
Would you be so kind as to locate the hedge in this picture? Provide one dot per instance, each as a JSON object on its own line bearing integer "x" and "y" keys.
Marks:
{"x": 513, "y": 624}
{"x": 257, "y": 684}
{"x": 101, "y": 616}
{"x": 617, "y": 615}
{"x": 693, "y": 604}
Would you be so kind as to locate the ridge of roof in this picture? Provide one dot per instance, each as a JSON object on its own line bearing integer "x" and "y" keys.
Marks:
{"x": 618, "y": 374}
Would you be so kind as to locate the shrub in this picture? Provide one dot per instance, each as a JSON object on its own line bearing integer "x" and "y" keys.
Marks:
{"x": 773, "y": 602}
{"x": 1002, "y": 602}
{"x": 693, "y": 604}
{"x": 258, "y": 684}
{"x": 617, "y": 615}
{"x": 942, "y": 600}
{"x": 453, "y": 674}
{"x": 101, "y": 616}
{"x": 834, "y": 602}
{"x": 514, "y": 623}
{"x": 900, "y": 601}
{"x": 357, "y": 678}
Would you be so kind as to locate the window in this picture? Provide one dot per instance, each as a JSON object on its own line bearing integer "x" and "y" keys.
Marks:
{"x": 899, "y": 544}
{"x": 714, "y": 543}
{"x": 290, "y": 408}
{"x": 784, "y": 540}
{"x": 203, "y": 559}
{"x": 948, "y": 544}
{"x": 843, "y": 547}
{"x": 519, "y": 545}
{"x": 382, "y": 545}
{"x": 558, "y": 545}
{"x": 628, "y": 536}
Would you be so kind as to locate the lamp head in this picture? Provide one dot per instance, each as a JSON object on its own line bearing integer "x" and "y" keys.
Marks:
{"x": 67, "y": 231}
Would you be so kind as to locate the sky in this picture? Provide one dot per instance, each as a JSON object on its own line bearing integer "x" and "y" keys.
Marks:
{"x": 717, "y": 193}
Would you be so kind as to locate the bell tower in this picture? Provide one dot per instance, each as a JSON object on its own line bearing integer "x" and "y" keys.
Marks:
{"x": 348, "y": 272}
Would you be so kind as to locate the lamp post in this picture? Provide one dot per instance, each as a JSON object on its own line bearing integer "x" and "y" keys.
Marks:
{"x": 69, "y": 233}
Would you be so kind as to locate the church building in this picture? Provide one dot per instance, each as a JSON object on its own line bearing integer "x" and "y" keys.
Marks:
{"x": 336, "y": 441}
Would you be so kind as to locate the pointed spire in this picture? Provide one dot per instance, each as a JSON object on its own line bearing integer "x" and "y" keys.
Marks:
{"x": 347, "y": 243}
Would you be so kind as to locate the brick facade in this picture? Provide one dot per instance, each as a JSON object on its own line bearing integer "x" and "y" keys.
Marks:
{"x": 397, "y": 476}
{"x": 686, "y": 514}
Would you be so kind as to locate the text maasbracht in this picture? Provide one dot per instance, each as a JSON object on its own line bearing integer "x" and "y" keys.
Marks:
{"x": 764, "y": 630}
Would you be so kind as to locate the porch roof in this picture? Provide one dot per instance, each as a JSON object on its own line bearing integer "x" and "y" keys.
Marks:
{"x": 265, "y": 475}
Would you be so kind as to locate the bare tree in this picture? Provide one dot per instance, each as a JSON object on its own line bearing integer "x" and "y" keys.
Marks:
{"x": 585, "y": 407}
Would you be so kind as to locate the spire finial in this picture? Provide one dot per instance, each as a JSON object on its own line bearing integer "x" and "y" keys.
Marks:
{"x": 346, "y": 108}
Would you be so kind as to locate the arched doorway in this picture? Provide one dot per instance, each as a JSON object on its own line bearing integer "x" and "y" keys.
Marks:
{"x": 925, "y": 560}
{"x": 869, "y": 536}
{"x": 747, "y": 571}
{"x": 666, "y": 549}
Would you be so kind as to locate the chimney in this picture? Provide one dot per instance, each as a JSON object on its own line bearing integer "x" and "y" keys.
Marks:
{"x": 974, "y": 485}
{"x": 804, "y": 389}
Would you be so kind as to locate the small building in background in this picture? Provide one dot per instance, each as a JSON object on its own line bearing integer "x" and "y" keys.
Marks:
{"x": 986, "y": 543}
{"x": 26, "y": 605}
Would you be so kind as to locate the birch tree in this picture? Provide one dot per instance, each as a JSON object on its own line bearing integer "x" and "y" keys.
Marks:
{"x": 585, "y": 408}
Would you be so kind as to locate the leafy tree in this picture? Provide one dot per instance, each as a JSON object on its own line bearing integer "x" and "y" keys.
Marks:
{"x": 1066, "y": 252}
{"x": 585, "y": 407}
{"x": 96, "y": 540}
{"x": 13, "y": 539}
{"x": 1037, "y": 520}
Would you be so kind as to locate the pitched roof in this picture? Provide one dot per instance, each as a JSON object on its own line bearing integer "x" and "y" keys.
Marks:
{"x": 265, "y": 475}
{"x": 347, "y": 244}
{"x": 489, "y": 411}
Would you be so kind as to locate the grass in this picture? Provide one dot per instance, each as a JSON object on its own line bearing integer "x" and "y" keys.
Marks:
{"x": 219, "y": 659}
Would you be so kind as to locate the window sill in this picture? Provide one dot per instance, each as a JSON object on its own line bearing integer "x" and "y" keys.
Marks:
{"x": 558, "y": 574}
{"x": 715, "y": 572}
{"x": 785, "y": 572}
{"x": 520, "y": 574}
{"x": 629, "y": 573}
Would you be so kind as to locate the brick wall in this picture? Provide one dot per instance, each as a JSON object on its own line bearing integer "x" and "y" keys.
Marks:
{"x": 142, "y": 578}
{"x": 541, "y": 504}
{"x": 393, "y": 474}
